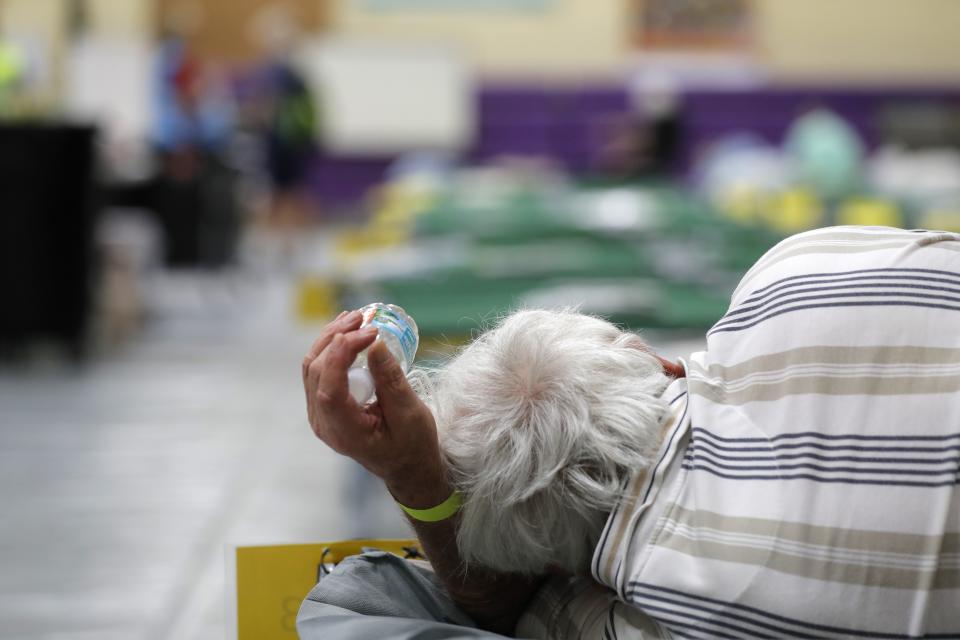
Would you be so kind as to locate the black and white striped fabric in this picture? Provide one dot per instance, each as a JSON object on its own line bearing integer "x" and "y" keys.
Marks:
{"x": 808, "y": 481}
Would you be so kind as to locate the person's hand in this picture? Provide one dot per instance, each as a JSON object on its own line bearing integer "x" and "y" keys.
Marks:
{"x": 395, "y": 438}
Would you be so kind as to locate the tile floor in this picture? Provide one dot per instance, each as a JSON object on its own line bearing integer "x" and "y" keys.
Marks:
{"x": 120, "y": 484}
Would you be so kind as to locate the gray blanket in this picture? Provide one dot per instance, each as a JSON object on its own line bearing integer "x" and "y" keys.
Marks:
{"x": 378, "y": 596}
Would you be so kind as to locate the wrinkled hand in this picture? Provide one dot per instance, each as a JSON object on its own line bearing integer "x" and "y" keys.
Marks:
{"x": 395, "y": 438}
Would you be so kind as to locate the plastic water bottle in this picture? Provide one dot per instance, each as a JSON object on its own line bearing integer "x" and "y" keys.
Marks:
{"x": 398, "y": 331}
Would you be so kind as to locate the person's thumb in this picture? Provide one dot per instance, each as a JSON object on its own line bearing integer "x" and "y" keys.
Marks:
{"x": 393, "y": 390}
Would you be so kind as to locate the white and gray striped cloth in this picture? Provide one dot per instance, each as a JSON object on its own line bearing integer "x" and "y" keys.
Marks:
{"x": 808, "y": 481}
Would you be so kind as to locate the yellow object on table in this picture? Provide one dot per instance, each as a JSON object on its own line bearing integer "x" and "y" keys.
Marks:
{"x": 271, "y": 581}
{"x": 317, "y": 299}
{"x": 795, "y": 210}
{"x": 941, "y": 220}
{"x": 869, "y": 212}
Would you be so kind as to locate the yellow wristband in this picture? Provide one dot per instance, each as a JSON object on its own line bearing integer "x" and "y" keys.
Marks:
{"x": 442, "y": 511}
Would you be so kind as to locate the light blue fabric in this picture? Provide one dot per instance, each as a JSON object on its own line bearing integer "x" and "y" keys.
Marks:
{"x": 172, "y": 127}
{"x": 378, "y": 595}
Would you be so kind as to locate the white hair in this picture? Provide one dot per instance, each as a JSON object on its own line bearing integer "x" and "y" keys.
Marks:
{"x": 541, "y": 420}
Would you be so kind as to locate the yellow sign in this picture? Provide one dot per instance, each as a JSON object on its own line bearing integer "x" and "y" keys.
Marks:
{"x": 272, "y": 581}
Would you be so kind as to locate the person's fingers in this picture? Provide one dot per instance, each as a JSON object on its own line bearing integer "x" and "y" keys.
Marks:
{"x": 394, "y": 393}
{"x": 315, "y": 347}
{"x": 336, "y": 359}
{"x": 314, "y": 371}
{"x": 338, "y": 421}
{"x": 359, "y": 340}
{"x": 346, "y": 321}
{"x": 327, "y": 390}
{"x": 311, "y": 371}
{"x": 308, "y": 360}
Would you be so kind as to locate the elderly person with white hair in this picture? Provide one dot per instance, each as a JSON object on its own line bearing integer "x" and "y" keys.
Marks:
{"x": 798, "y": 478}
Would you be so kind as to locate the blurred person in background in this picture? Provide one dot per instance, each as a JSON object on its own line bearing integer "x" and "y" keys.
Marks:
{"x": 645, "y": 142}
{"x": 193, "y": 115}
{"x": 283, "y": 110}
{"x": 193, "y": 124}
{"x": 797, "y": 477}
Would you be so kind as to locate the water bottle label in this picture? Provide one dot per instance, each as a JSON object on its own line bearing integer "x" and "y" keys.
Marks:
{"x": 385, "y": 319}
{"x": 404, "y": 336}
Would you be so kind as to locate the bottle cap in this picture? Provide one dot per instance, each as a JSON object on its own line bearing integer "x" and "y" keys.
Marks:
{"x": 360, "y": 383}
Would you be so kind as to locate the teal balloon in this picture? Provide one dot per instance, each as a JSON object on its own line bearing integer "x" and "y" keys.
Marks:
{"x": 826, "y": 152}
